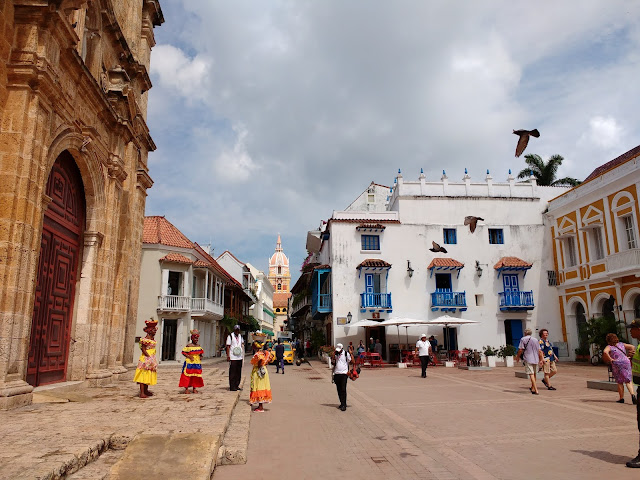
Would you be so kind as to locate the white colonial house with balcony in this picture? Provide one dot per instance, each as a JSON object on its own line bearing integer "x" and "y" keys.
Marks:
{"x": 374, "y": 263}
{"x": 182, "y": 287}
{"x": 262, "y": 310}
{"x": 594, "y": 227}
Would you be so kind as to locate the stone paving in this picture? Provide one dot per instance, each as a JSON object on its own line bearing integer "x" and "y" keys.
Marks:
{"x": 453, "y": 425}
{"x": 72, "y": 427}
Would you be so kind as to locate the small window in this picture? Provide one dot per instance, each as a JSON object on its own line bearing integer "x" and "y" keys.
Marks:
{"x": 479, "y": 300}
{"x": 551, "y": 278}
{"x": 277, "y": 310}
{"x": 570, "y": 253}
{"x": 598, "y": 246}
{"x": 449, "y": 236}
{"x": 629, "y": 231}
{"x": 495, "y": 236}
{"x": 371, "y": 198}
{"x": 370, "y": 242}
{"x": 279, "y": 287}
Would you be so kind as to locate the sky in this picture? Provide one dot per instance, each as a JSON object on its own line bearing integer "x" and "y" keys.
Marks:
{"x": 269, "y": 115}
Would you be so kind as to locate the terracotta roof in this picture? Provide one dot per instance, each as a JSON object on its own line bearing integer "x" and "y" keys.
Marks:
{"x": 445, "y": 262}
{"x": 376, "y": 226}
{"x": 373, "y": 263}
{"x": 511, "y": 262}
{"x": 281, "y": 299}
{"x": 625, "y": 157}
{"x": 322, "y": 267}
{"x": 211, "y": 261}
{"x": 200, "y": 263}
{"x": 177, "y": 258}
{"x": 162, "y": 231}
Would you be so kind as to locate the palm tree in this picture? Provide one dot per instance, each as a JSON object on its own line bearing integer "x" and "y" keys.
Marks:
{"x": 545, "y": 173}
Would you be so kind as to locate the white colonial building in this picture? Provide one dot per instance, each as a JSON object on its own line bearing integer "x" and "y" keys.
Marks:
{"x": 374, "y": 263}
{"x": 262, "y": 310}
{"x": 182, "y": 287}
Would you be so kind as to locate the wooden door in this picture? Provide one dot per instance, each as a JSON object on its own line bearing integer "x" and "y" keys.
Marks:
{"x": 60, "y": 251}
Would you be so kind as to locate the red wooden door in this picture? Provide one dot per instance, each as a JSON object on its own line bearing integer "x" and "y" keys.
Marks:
{"x": 60, "y": 250}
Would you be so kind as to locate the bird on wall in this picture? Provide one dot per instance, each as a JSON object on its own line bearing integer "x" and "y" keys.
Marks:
{"x": 524, "y": 139}
{"x": 472, "y": 221}
{"x": 437, "y": 248}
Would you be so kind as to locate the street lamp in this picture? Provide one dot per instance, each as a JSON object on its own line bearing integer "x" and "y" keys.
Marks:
{"x": 409, "y": 269}
{"x": 349, "y": 317}
{"x": 478, "y": 268}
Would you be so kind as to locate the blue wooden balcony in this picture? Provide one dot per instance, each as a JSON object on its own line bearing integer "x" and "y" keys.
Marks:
{"x": 448, "y": 301}
{"x": 321, "y": 293}
{"x": 375, "y": 302}
{"x": 516, "y": 301}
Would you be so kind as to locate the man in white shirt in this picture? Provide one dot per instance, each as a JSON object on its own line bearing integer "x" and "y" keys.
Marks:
{"x": 423, "y": 349}
{"x": 341, "y": 360}
{"x": 235, "y": 355}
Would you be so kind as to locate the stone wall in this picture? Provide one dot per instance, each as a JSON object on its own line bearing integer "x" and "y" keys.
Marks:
{"x": 74, "y": 77}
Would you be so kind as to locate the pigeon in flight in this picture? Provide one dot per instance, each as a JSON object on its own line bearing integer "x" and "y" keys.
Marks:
{"x": 437, "y": 248}
{"x": 524, "y": 139}
{"x": 472, "y": 221}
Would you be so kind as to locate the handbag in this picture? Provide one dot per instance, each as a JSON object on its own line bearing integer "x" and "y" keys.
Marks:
{"x": 261, "y": 372}
{"x": 237, "y": 351}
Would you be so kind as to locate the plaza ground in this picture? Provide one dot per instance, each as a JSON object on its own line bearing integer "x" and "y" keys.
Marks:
{"x": 454, "y": 424}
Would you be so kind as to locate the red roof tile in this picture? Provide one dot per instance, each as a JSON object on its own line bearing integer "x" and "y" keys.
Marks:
{"x": 445, "y": 262}
{"x": 511, "y": 262}
{"x": 373, "y": 263}
{"x": 625, "y": 157}
{"x": 361, "y": 220}
{"x": 370, "y": 226}
{"x": 177, "y": 258}
{"x": 200, "y": 263}
{"x": 322, "y": 267}
{"x": 212, "y": 263}
{"x": 162, "y": 231}
{"x": 281, "y": 299}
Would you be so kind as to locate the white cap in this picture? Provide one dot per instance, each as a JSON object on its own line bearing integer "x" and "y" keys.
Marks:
{"x": 424, "y": 335}
{"x": 339, "y": 347}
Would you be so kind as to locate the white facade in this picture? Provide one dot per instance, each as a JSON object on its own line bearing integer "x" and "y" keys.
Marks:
{"x": 262, "y": 310}
{"x": 240, "y": 271}
{"x": 417, "y": 212}
{"x": 182, "y": 294}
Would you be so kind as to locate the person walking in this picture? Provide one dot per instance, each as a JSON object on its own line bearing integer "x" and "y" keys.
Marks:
{"x": 235, "y": 356}
{"x": 279, "y": 356}
{"x": 549, "y": 366}
{"x": 529, "y": 350}
{"x": 192, "y": 368}
{"x": 615, "y": 354}
{"x": 260, "y": 385}
{"x": 634, "y": 330}
{"x": 340, "y": 361}
{"x": 423, "y": 348}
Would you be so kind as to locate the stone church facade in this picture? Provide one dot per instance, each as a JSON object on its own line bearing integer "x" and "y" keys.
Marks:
{"x": 73, "y": 179}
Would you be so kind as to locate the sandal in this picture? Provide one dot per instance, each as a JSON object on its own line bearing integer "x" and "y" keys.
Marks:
{"x": 620, "y": 401}
{"x": 545, "y": 382}
{"x": 549, "y": 387}
{"x": 532, "y": 392}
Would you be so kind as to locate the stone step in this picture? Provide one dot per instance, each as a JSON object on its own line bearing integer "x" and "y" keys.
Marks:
{"x": 236, "y": 439}
{"x": 98, "y": 470}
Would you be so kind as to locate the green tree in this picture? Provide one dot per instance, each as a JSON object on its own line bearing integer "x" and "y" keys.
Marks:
{"x": 545, "y": 173}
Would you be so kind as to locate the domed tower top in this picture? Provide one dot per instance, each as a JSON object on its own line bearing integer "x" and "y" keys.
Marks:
{"x": 279, "y": 274}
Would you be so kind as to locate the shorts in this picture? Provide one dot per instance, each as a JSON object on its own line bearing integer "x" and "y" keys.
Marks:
{"x": 549, "y": 366}
{"x": 530, "y": 368}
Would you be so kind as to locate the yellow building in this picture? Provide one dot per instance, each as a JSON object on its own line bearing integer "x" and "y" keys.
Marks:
{"x": 596, "y": 246}
{"x": 280, "y": 278}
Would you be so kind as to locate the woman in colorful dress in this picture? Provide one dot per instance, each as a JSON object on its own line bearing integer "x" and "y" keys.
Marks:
{"x": 616, "y": 354}
{"x": 192, "y": 369}
{"x": 260, "y": 385}
{"x": 146, "y": 373}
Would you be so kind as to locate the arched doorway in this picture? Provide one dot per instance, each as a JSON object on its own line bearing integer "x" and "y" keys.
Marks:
{"x": 60, "y": 251}
{"x": 581, "y": 322}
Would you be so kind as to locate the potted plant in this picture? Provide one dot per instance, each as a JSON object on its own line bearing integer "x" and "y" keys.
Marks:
{"x": 507, "y": 352}
{"x": 490, "y": 355}
{"x": 582, "y": 353}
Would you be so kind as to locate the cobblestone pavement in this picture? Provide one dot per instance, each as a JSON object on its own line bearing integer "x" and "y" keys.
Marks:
{"x": 453, "y": 425}
{"x": 70, "y": 427}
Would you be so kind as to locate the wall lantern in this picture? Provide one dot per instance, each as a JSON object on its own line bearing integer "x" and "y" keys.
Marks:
{"x": 409, "y": 269}
{"x": 349, "y": 317}
{"x": 478, "y": 269}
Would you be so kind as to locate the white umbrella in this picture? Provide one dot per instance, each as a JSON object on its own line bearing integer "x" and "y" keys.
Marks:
{"x": 405, "y": 322}
{"x": 364, "y": 323}
{"x": 447, "y": 320}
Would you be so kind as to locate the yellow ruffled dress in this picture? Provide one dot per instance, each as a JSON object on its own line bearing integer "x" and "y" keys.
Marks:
{"x": 147, "y": 366}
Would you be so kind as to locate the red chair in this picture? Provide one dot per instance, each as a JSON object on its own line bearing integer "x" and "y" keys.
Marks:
{"x": 376, "y": 360}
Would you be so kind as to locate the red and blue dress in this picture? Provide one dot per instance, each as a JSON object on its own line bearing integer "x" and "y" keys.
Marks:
{"x": 192, "y": 369}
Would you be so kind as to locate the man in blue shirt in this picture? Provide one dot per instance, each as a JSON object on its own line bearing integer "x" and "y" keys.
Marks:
{"x": 549, "y": 366}
{"x": 279, "y": 356}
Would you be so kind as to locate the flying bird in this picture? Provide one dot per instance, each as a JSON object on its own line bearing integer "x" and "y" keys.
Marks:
{"x": 524, "y": 139}
{"x": 437, "y": 248}
{"x": 472, "y": 221}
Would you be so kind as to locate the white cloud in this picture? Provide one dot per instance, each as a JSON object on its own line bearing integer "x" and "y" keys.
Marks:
{"x": 235, "y": 164}
{"x": 605, "y": 132}
{"x": 176, "y": 71}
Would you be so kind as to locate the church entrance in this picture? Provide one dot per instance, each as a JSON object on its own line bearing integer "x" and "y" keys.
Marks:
{"x": 60, "y": 251}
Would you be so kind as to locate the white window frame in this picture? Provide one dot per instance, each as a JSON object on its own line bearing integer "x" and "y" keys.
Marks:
{"x": 569, "y": 250}
{"x": 597, "y": 244}
{"x": 629, "y": 232}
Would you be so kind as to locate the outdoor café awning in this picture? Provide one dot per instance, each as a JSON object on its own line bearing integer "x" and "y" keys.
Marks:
{"x": 267, "y": 331}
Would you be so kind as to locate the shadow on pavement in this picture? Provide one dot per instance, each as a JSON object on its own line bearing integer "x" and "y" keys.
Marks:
{"x": 604, "y": 456}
